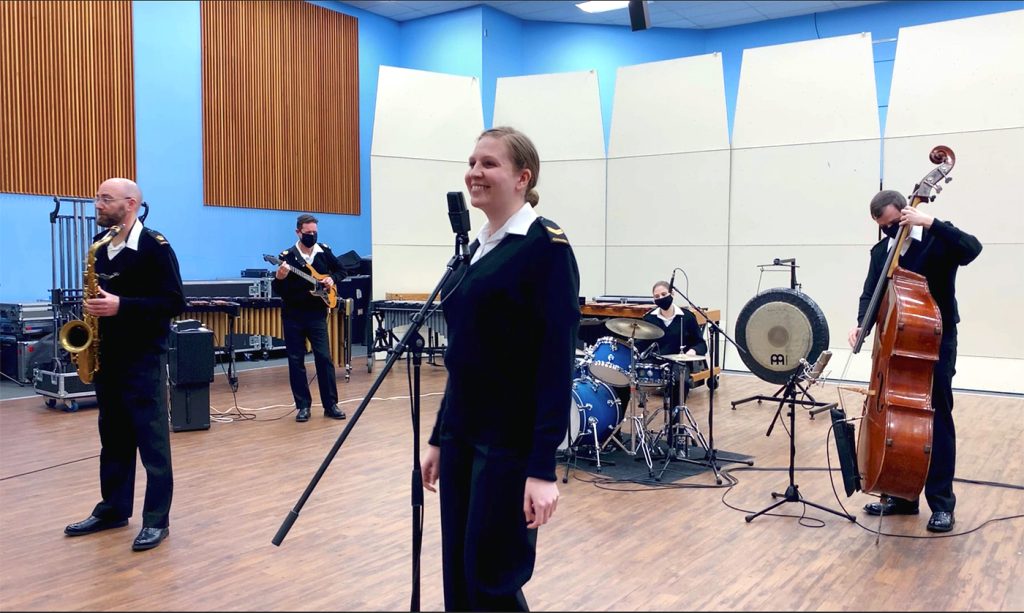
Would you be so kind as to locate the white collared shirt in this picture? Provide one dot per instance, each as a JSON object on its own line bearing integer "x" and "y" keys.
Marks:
{"x": 519, "y": 224}
{"x": 676, "y": 311}
{"x": 916, "y": 232}
{"x": 132, "y": 242}
{"x": 312, "y": 254}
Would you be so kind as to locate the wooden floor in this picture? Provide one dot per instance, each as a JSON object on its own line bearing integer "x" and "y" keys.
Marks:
{"x": 647, "y": 549}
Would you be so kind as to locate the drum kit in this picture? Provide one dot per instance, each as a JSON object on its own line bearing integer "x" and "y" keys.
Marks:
{"x": 613, "y": 372}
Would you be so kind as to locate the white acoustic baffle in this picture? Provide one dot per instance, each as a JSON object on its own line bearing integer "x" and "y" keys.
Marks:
{"x": 561, "y": 113}
{"x": 805, "y": 166}
{"x": 425, "y": 127}
{"x": 960, "y": 83}
{"x": 668, "y": 179}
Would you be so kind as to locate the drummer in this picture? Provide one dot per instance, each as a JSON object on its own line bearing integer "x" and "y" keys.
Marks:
{"x": 682, "y": 335}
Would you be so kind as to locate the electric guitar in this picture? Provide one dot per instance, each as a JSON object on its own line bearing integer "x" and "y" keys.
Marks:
{"x": 328, "y": 294}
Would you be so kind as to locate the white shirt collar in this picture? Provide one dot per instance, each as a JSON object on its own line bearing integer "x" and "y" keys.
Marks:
{"x": 312, "y": 254}
{"x": 519, "y": 223}
{"x": 916, "y": 232}
{"x": 676, "y": 312}
{"x": 132, "y": 242}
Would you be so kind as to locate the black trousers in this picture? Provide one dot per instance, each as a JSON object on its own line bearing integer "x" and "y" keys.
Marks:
{"x": 938, "y": 487}
{"x": 298, "y": 326}
{"x": 133, "y": 416}
{"x": 487, "y": 552}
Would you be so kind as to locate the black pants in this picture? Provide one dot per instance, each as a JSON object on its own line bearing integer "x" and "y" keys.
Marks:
{"x": 487, "y": 552}
{"x": 298, "y": 326}
{"x": 938, "y": 487}
{"x": 133, "y": 416}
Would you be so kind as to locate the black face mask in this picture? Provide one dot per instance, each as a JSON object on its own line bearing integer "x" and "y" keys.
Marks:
{"x": 664, "y": 302}
{"x": 892, "y": 229}
{"x": 308, "y": 240}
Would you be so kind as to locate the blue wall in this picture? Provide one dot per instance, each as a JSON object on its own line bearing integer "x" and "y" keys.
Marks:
{"x": 215, "y": 242}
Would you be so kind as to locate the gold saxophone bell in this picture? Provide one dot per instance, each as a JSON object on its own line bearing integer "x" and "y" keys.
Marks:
{"x": 75, "y": 336}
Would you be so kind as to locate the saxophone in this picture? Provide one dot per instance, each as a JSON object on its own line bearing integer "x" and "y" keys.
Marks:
{"x": 81, "y": 337}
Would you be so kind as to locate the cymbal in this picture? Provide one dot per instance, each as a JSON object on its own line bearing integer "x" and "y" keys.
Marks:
{"x": 590, "y": 321}
{"x": 634, "y": 328}
{"x": 683, "y": 357}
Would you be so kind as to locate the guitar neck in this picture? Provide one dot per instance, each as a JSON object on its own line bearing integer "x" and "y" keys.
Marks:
{"x": 302, "y": 274}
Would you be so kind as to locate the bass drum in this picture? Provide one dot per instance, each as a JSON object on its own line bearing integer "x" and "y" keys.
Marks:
{"x": 776, "y": 329}
{"x": 594, "y": 408}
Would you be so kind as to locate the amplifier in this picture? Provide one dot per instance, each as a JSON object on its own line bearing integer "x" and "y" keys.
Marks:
{"x": 190, "y": 407}
{"x": 190, "y": 353}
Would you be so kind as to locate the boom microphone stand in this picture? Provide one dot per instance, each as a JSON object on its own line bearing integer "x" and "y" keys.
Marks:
{"x": 459, "y": 216}
{"x": 711, "y": 458}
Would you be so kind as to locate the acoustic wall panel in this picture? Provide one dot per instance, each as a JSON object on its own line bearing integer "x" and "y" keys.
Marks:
{"x": 704, "y": 268}
{"x": 425, "y": 128}
{"x": 815, "y": 194}
{"x": 669, "y": 199}
{"x": 794, "y": 93}
{"x": 561, "y": 113}
{"x": 669, "y": 107}
{"x": 958, "y": 76}
{"x": 426, "y": 115}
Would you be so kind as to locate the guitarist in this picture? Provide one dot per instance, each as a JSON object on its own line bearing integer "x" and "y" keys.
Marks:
{"x": 304, "y": 316}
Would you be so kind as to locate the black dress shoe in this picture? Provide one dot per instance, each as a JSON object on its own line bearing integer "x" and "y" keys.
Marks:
{"x": 334, "y": 413}
{"x": 93, "y": 524}
{"x": 888, "y": 506}
{"x": 941, "y": 521}
{"x": 302, "y": 415}
{"x": 149, "y": 538}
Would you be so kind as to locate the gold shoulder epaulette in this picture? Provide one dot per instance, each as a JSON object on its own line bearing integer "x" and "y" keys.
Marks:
{"x": 325, "y": 246}
{"x": 284, "y": 254}
{"x": 160, "y": 238}
{"x": 555, "y": 234}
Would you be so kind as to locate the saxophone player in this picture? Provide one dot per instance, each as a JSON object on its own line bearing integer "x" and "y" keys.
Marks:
{"x": 140, "y": 291}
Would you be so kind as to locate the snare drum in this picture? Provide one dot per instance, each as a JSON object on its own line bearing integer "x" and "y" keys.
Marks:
{"x": 610, "y": 359}
{"x": 592, "y": 399}
{"x": 651, "y": 374}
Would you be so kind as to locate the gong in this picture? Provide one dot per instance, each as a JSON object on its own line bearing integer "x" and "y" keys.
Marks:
{"x": 776, "y": 329}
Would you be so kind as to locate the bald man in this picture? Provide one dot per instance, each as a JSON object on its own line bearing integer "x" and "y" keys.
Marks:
{"x": 140, "y": 291}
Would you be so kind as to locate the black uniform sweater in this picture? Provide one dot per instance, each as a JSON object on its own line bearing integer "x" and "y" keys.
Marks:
{"x": 512, "y": 322}
{"x": 295, "y": 291}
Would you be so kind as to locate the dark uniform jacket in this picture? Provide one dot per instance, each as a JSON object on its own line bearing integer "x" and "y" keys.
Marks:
{"x": 512, "y": 321}
{"x": 681, "y": 335}
{"x": 295, "y": 291}
{"x": 148, "y": 283}
{"x": 942, "y": 249}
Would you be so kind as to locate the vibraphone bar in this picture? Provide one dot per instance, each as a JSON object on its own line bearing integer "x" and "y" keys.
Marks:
{"x": 390, "y": 314}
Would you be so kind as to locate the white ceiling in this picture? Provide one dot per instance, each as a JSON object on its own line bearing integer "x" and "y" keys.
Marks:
{"x": 662, "y": 13}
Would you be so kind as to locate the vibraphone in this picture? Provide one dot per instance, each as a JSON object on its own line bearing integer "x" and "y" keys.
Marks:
{"x": 260, "y": 319}
{"x": 390, "y": 314}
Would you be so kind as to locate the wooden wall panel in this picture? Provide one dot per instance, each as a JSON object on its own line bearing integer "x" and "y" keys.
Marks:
{"x": 280, "y": 107}
{"x": 67, "y": 106}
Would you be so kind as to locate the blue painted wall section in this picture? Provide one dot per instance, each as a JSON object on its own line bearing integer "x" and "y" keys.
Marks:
{"x": 216, "y": 242}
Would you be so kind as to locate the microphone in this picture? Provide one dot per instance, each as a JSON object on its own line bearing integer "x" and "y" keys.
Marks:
{"x": 827, "y": 407}
{"x": 647, "y": 352}
{"x": 458, "y": 215}
{"x": 672, "y": 283}
{"x": 819, "y": 365}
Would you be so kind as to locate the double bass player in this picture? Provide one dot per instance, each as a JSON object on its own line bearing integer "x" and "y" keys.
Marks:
{"x": 936, "y": 250}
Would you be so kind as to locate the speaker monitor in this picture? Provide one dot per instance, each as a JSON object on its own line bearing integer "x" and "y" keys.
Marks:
{"x": 638, "y": 18}
{"x": 190, "y": 407}
{"x": 190, "y": 359}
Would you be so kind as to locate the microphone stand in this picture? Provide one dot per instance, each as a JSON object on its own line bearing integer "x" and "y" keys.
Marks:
{"x": 410, "y": 338}
{"x": 711, "y": 458}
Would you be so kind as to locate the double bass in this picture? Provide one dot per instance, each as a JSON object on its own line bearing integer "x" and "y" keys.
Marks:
{"x": 895, "y": 440}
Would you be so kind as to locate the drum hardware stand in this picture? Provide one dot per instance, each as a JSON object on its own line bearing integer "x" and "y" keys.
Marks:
{"x": 690, "y": 431}
{"x": 711, "y": 458}
{"x": 573, "y": 451}
{"x": 792, "y": 493}
{"x": 411, "y": 338}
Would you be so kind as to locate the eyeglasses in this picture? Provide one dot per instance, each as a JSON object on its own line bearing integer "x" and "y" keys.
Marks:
{"x": 106, "y": 199}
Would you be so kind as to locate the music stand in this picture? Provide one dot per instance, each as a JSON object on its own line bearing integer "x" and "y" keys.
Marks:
{"x": 711, "y": 458}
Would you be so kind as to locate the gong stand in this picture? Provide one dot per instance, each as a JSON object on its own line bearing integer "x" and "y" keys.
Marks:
{"x": 711, "y": 458}
{"x": 806, "y": 399}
